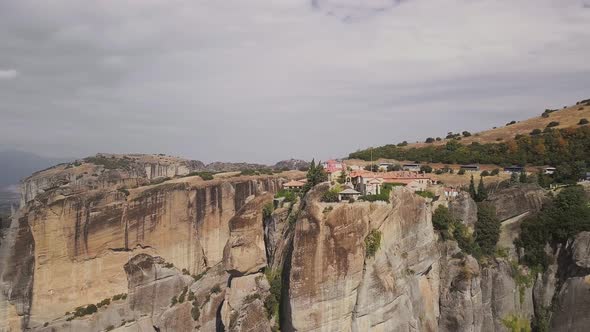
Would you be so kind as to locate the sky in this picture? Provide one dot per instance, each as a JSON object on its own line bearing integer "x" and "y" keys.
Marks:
{"x": 266, "y": 80}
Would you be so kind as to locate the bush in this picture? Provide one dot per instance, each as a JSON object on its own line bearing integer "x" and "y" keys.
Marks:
{"x": 536, "y": 132}
{"x": 495, "y": 172}
{"x": 442, "y": 218}
{"x": 552, "y": 124}
{"x": 461, "y": 172}
{"x": 271, "y": 303}
{"x": 429, "y": 140}
{"x": 182, "y": 295}
{"x": 372, "y": 243}
{"x": 173, "y": 301}
{"x": 216, "y": 289}
{"x": 426, "y": 169}
{"x": 425, "y": 193}
{"x": 583, "y": 121}
{"x": 195, "y": 312}
{"x": 511, "y": 123}
{"x": 330, "y": 196}
{"x": 466, "y": 134}
{"x": 485, "y": 173}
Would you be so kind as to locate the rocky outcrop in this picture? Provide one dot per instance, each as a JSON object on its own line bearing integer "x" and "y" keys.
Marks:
{"x": 334, "y": 286}
{"x": 245, "y": 252}
{"x": 513, "y": 201}
{"x": 464, "y": 208}
{"x": 70, "y": 250}
{"x": 243, "y": 309}
{"x": 573, "y": 297}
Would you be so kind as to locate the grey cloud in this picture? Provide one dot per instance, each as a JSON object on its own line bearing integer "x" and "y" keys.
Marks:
{"x": 266, "y": 80}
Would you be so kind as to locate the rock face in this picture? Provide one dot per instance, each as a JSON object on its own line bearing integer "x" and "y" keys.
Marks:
{"x": 464, "y": 208}
{"x": 69, "y": 250}
{"x": 185, "y": 254}
{"x": 514, "y": 201}
{"x": 245, "y": 252}
{"x": 333, "y": 286}
{"x": 243, "y": 309}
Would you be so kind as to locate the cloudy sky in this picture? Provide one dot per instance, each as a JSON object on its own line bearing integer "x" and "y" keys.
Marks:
{"x": 264, "y": 80}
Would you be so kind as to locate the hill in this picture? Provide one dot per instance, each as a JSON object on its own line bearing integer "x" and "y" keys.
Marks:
{"x": 566, "y": 117}
{"x": 559, "y": 138}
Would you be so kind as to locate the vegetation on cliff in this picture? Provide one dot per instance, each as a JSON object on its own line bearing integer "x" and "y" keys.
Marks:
{"x": 484, "y": 238}
{"x": 559, "y": 220}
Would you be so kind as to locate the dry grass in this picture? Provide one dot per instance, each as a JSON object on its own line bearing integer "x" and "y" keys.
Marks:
{"x": 567, "y": 117}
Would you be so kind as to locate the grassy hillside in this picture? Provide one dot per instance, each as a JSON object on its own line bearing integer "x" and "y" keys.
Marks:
{"x": 566, "y": 117}
{"x": 556, "y": 138}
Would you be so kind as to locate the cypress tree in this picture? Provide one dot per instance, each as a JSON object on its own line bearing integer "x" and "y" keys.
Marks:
{"x": 513, "y": 179}
{"x": 472, "y": 192}
{"x": 482, "y": 192}
{"x": 522, "y": 177}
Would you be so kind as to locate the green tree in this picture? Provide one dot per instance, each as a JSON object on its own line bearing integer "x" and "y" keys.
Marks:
{"x": 482, "y": 192}
{"x": 315, "y": 175}
{"x": 487, "y": 228}
{"x": 442, "y": 219}
{"x": 342, "y": 177}
{"x": 513, "y": 179}
{"x": 425, "y": 169}
{"x": 472, "y": 191}
{"x": 522, "y": 177}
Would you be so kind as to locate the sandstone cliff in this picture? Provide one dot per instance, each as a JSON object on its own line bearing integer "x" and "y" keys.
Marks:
{"x": 193, "y": 255}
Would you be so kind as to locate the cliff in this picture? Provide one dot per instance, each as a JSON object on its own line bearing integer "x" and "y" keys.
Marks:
{"x": 184, "y": 254}
{"x": 67, "y": 248}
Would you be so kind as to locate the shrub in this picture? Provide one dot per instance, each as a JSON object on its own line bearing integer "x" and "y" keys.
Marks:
{"x": 195, "y": 312}
{"x": 429, "y": 140}
{"x": 552, "y": 124}
{"x": 466, "y": 134}
{"x": 104, "y": 302}
{"x": 485, "y": 173}
{"x": 425, "y": 194}
{"x": 495, "y": 172}
{"x": 45, "y": 324}
{"x": 191, "y": 296}
{"x": 185, "y": 272}
{"x": 173, "y": 301}
{"x": 168, "y": 265}
{"x": 271, "y": 303}
{"x": 372, "y": 243}
{"x": 182, "y": 295}
{"x": 461, "y": 172}
{"x": 330, "y": 196}
{"x": 583, "y": 121}
{"x": 216, "y": 289}
{"x": 511, "y": 123}
{"x": 442, "y": 219}
{"x": 110, "y": 328}
{"x": 426, "y": 169}
{"x": 536, "y": 131}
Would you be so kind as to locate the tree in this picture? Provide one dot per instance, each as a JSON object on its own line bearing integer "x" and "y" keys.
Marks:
{"x": 442, "y": 219}
{"x": 425, "y": 169}
{"x": 396, "y": 167}
{"x": 342, "y": 177}
{"x": 466, "y": 134}
{"x": 482, "y": 192}
{"x": 429, "y": 140}
{"x": 485, "y": 173}
{"x": 315, "y": 175}
{"x": 552, "y": 124}
{"x": 487, "y": 228}
{"x": 472, "y": 192}
{"x": 522, "y": 177}
{"x": 461, "y": 172}
{"x": 583, "y": 122}
{"x": 372, "y": 168}
{"x": 513, "y": 179}
{"x": 495, "y": 171}
{"x": 536, "y": 131}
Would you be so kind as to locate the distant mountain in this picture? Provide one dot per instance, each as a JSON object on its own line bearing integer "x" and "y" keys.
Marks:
{"x": 292, "y": 164}
{"x": 15, "y": 165}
